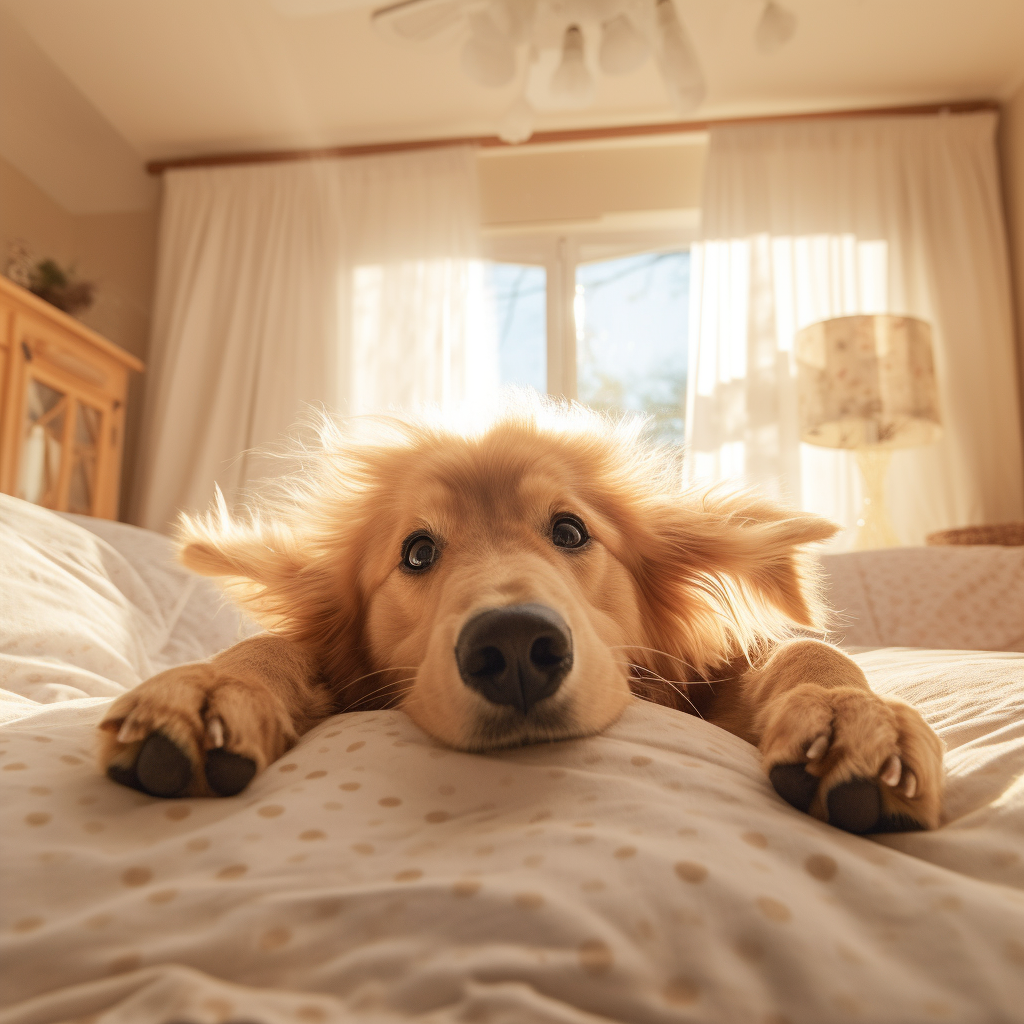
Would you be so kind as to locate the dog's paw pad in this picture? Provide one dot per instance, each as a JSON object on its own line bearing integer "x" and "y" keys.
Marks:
{"x": 227, "y": 773}
{"x": 897, "y": 823}
{"x": 124, "y": 776}
{"x": 794, "y": 785}
{"x": 855, "y": 806}
{"x": 163, "y": 768}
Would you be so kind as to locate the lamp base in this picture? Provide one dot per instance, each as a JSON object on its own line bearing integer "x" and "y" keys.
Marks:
{"x": 874, "y": 527}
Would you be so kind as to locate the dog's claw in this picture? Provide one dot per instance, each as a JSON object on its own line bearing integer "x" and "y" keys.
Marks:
{"x": 131, "y": 731}
{"x": 908, "y": 784}
{"x": 817, "y": 748}
{"x": 214, "y": 734}
{"x": 891, "y": 770}
{"x": 162, "y": 768}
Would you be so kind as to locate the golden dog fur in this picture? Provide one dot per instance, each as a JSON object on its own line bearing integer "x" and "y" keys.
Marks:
{"x": 673, "y": 591}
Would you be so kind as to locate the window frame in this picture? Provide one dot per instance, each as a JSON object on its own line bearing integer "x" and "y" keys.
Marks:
{"x": 560, "y": 250}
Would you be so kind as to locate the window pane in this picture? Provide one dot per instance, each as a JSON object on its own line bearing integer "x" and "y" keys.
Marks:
{"x": 632, "y": 316}
{"x": 519, "y": 299}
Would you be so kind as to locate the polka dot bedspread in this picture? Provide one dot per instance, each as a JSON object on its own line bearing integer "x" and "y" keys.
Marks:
{"x": 646, "y": 874}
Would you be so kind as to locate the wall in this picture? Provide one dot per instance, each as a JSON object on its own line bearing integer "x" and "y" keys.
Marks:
{"x": 586, "y": 182}
{"x": 1011, "y": 153}
{"x": 115, "y": 250}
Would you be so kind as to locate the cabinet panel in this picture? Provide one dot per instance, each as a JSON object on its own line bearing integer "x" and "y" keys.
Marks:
{"x": 61, "y": 408}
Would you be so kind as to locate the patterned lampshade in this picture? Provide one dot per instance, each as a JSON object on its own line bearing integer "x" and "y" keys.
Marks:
{"x": 867, "y": 382}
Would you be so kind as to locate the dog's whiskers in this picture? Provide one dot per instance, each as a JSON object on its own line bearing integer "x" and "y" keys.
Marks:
{"x": 378, "y": 671}
{"x": 380, "y": 689}
{"x": 668, "y": 682}
{"x": 653, "y": 650}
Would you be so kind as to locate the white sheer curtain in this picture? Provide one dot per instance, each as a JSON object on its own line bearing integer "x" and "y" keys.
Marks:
{"x": 806, "y": 221}
{"x": 354, "y": 283}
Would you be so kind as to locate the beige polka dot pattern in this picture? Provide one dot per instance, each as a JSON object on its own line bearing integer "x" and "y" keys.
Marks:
{"x": 529, "y": 900}
{"x": 680, "y": 992}
{"x": 691, "y": 872}
{"x": 596, "y": 957}
{"x": 136, "y": 876}
{"x": 274, "y": 938}
{"x": 821, "y": 866}
{"x": 773, "y": 909}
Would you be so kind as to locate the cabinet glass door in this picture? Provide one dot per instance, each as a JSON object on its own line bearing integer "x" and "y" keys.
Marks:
{"x": 46, "y": 413}
{"x": 84, "y": 453}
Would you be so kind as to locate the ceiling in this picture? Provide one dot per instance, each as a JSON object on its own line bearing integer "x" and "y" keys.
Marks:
{"x": 187, "y": 77}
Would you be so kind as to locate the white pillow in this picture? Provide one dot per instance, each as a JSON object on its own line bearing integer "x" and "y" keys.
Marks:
{"x": 80, "y": 617}
{"x": 961, "y": 598}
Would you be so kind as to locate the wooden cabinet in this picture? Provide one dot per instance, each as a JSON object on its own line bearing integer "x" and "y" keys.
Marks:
{"x": 63, "y": 389}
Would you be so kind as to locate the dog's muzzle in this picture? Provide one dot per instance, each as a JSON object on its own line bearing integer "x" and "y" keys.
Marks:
{"x": 516, "y": 655}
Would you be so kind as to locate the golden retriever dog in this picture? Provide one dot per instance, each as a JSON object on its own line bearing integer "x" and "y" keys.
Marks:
{"x": 521, "y": 583}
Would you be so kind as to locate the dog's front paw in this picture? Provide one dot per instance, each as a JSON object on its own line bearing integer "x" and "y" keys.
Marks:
{"x": 856, "y": 760}
{"x": 193, "y": 731}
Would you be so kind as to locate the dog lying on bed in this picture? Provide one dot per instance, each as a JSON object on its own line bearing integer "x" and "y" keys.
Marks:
{"x": 521, "y": 584}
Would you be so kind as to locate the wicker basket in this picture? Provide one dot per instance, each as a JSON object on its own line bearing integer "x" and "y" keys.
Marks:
{"x": 1006, "y": 534}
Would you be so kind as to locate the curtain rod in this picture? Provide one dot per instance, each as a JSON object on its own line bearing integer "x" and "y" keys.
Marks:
{"x": 566, "y": 135}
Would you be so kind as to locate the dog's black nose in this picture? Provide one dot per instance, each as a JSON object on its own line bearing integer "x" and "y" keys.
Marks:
{"x": 516, "y": 655}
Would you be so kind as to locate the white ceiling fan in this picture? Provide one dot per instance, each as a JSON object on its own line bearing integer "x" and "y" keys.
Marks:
{"x": 556, "y": 48}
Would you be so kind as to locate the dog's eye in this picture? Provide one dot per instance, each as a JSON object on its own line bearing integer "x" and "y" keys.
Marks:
{"x": 419, "y": 552}
{"x": 569, "y": 532}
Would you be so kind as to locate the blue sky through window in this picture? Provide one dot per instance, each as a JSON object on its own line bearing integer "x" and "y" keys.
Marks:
{"x": 632, "y": 316}
{"x": 519, "y": 297}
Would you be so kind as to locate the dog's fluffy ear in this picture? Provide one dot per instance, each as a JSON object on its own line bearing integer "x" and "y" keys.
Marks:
{"x": 740, "y": 559}
{"x": 259, "y": 565}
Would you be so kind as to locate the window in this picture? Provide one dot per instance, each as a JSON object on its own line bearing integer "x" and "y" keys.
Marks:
{"x": 519, "y": 301}
{"x": 631, "y": 317}
{"x": 600, "y": 318}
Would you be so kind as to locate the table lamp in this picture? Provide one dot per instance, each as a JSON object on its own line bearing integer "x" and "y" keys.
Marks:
{"x": 867, "y": 383}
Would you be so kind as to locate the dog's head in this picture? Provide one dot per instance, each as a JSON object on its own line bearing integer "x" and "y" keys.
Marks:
{"x": 515, "y": 583}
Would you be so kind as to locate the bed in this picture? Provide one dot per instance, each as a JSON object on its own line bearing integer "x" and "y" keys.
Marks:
{"x": 649, "y": 874}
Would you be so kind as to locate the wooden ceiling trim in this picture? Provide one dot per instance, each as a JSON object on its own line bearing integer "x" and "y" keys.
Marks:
{"x": 562, "y": 136}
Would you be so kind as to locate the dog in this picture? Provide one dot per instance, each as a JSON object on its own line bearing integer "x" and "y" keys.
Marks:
{"x": 520, "y": 583}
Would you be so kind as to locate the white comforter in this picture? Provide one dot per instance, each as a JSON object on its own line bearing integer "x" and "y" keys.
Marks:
{"x": 648, "y": 874}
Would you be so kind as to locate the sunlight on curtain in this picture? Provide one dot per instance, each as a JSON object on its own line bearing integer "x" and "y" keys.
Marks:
{"x": 353, "y": 284}
{"x": 420, "y": 336}
{"x": 804, "y": 222}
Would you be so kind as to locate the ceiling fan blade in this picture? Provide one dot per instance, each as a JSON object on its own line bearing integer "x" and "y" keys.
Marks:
{"x": 420, "y": 20}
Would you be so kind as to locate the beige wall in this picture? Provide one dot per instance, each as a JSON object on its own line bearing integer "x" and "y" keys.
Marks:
{"x": 115, "y": 250}
{"x": 1011, "y": 152}
{"x": 544, "y": 184}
